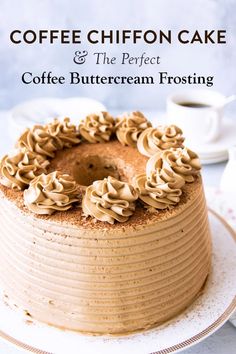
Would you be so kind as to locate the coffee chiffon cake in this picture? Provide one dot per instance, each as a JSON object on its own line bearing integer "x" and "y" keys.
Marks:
{"x": 104, "y": 225}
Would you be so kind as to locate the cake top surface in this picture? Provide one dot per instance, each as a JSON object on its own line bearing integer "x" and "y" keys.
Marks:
{"x": 102, "y": 173}
{"x": 75, "y": 217}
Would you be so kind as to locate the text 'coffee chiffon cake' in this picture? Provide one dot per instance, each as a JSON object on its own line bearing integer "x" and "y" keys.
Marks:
{"x": 104, "y": 225}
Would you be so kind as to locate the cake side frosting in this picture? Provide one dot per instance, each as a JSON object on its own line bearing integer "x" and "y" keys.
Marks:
{"x": 105, "y": 282}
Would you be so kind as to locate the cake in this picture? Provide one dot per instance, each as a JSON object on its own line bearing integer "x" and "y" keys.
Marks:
{"x": 104, "y": 225}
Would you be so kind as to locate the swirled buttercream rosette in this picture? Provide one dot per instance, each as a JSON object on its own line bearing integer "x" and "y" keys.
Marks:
{"x": 39, "y": 140}
{"x": 184, "y": 162}
{"x": 130, "y": 126}
{"x": 97, "y": 127}
{"x": 172, "y": 137}
{"x": 51, "y": 192}
{"x": 20, "y": 168}
{"x": 109, "y": 200}
{"x": 153, "y": 140}
{"x": 47, "y": 139}
{"x": 160, "y": 189}
{"x": 66, "y": 132}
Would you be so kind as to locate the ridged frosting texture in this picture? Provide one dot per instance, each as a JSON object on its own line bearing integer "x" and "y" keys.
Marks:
{"x": 51, "y": 192}
{"x": 18, "y": 169}
{"x": 109, "y": 200}
{"x": 152, "y": 140}
{"x": 105, "y": 280}
{"x": 97, "y": 127}
{"x": 47, "y": 139}
{"x": 129, "y": 126}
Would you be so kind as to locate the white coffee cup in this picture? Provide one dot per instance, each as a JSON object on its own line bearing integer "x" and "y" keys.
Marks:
{"x": 198, "y": 113}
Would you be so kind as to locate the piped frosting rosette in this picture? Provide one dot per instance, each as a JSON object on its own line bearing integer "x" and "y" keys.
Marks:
{"x": 160, "y": 190}
{"x": 51, "y": 192}
{"x": 20, "y": 168}
{"x": 183, "y": 162}
{"x": 66, "y": 132}
{"x": 130, "y": 126}
{"x": 97, "y": 127}
{"x": 47, "y": 139}
{"x": 109, "y": 200}
{"x": 153, "y": 140}
{"x": 166, "y": 173}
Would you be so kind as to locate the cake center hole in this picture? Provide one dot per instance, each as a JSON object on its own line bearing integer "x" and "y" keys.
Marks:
{"x": 91, "y": 168}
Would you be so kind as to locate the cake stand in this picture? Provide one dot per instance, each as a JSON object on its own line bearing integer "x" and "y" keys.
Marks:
{"x": 208, "y": 313}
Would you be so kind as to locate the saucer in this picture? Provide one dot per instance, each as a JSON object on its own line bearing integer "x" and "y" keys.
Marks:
{"x": 216, "y": 151}
{"x": 209, "y": 153}
{"x": 212, "y": 160}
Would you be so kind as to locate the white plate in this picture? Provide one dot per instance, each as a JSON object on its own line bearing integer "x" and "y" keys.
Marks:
{"x": 223, "y": 203}
{"x": 209, "y": 312}
{"x": 214, "y": 155}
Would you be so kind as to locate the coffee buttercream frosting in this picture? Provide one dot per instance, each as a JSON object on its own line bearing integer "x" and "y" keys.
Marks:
{"x": 183, "y": 162}
{"x": 51, "y": 192}
{"x": 130, "y": 126}
{"x": 109, "y": 200}
{"x": 97, "y": 127}
{"x": 152, "y": 140}
{"x": 159, "y": 189}
{"x": 39, "y": 140}
{"x": 18, "y": 169}
{"x": 66, "y": 132}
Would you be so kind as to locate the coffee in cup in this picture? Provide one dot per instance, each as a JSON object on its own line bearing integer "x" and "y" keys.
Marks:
{"x": 198, "y": 113}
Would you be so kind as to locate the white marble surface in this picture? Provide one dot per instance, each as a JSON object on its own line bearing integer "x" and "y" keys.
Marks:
{"x": 221, "y": 342}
